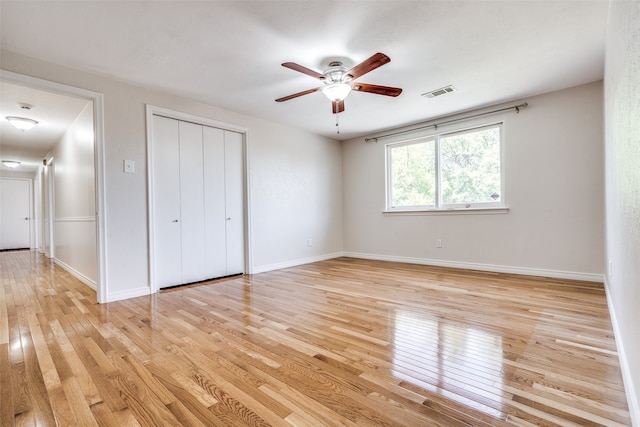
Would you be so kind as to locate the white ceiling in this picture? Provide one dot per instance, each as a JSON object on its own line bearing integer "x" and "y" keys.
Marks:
{"x": 54, "y": 114}
{"x": 228, "y": 53}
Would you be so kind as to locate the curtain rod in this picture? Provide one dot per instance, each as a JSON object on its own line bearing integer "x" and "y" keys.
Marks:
{"x": 435, "y": 125}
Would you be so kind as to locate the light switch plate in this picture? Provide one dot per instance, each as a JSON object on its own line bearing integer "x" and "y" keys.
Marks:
{"x": 129, "y": 166}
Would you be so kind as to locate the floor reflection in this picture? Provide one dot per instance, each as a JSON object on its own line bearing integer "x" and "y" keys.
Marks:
{"x": 459, "y": 363}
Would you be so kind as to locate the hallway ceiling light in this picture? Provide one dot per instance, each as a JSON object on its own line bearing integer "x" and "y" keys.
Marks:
{"x": 22, "y": 123}
{"x": 11, "y": 163}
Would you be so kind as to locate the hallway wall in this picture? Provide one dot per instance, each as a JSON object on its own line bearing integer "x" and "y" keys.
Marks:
{"x": 74, "y": 203}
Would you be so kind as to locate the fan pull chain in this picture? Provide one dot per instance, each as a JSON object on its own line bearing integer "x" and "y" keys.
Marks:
{"x": 337, "y": 125}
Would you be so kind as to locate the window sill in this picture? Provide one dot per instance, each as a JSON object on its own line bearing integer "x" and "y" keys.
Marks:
{"x": 455, "y": 211}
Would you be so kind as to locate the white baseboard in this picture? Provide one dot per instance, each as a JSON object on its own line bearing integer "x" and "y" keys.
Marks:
{"x": 114, "y": 296}
{"x": 633, "y": 398}
{"x": 557, "y": 274}
{"x": 129, "y": 293}
{"x": 293, "y": 263}
{"x": 75, "y": 273}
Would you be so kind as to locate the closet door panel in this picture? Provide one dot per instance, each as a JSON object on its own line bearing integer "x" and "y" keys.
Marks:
{"x": 234, "y": 201}
{"x": 192, "y": 202}
{"x": 214, "y": 200}
{"x": 166, "y": 199}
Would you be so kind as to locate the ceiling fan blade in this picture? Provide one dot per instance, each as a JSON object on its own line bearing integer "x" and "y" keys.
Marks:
{"x": 303, "y": 70}
{"x": 377, "y": 89}
{"x": 374, "y": 61}
{"x": 295, "y": 95}
{"x": 337, "y": 107}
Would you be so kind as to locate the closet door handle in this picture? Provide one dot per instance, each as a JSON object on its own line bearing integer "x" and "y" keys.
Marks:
{"x": 228, "y": 219}
{"x": 175, "y": 220}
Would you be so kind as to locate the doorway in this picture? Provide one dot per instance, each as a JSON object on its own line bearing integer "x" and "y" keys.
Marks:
{"x": 95, "y": 215}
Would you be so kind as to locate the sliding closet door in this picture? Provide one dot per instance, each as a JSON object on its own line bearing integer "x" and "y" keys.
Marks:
{"x": 234, "y": 196}
{"x": 192, "y": 203}
{"x": 166, "y": 191}
{"x": 214, "y": 199}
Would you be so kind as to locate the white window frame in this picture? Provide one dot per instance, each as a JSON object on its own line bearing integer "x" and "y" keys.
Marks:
{"x": 389, "y": 173}
{"x": 439, "y": 207}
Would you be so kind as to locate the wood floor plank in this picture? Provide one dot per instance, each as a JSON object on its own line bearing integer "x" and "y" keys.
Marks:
{"x": 342, "y": 342}
{"x": 6, "y": 390}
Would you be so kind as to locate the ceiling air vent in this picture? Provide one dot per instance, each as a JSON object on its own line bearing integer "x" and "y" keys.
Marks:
{"x": 438, "y": 92}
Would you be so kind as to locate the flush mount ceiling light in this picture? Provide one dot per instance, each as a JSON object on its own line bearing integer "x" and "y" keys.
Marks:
{"x": 22, "y": 123}
{"x": 11, "y": 163}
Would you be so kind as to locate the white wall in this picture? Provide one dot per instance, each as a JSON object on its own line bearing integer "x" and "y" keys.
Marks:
{"x": 296, "y": 195}
{"x": 74, "y": 204}
{"x": 622, "y": 176}
{"x": 554, "y": 191}
{"x": 16, "y": 174}
{"x": 294, "y": 179}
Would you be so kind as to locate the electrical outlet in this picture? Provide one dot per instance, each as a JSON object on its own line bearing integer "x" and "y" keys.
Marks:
{"x": 309, "y": 242}
{"x": 438, "y": 243}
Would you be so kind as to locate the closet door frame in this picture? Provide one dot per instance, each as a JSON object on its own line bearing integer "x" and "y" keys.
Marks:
{"x": 152, "y": 110}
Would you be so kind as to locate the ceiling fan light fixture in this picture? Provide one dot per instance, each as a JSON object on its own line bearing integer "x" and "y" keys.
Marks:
{"x": 337, "y": 91}
{"x": 11, "y": 163}
{"x": 22, "y": 123}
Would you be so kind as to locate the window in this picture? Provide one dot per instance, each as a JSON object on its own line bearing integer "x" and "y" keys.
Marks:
{"x": 451, "y": 170}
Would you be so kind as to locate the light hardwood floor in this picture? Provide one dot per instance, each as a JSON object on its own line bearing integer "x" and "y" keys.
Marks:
{"x": 342, "y": 342}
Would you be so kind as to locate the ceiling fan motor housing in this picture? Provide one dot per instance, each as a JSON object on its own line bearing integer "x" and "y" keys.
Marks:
{"x": 336, "y": 73}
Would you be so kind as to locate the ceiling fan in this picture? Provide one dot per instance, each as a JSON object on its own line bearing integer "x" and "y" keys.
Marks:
{"x": 338, "y": 81}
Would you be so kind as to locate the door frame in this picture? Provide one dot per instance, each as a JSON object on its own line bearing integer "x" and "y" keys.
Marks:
{"x": 47, "y": 212}
{"x": 152, "y": 110}
{"x": 99, "y": 161}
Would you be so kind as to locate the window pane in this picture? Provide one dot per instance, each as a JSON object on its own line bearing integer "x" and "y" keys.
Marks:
{"x": 470, "y": 166}
{"x": 413, "y": 174}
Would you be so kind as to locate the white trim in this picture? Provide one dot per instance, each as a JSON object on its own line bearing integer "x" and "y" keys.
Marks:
{"x": 150, "y": 202}
{"x": 75, "y": 273}
{"x": 556, "y": 274}
{"x": 296, "y": 262}
{"x": 101, "y": 198}
{"x": 633, "y": 399}
{"x": 152, "y": 110}
{"x": 192, "y": 118}
{"x": 102, "y": 285}
{"x": 75, "y": 219}
{"x": 129, "y": 293}
{"x": 32, "y": 222}
{"x": 458, "y": 211}
{"x": 50, "y": 250}
{"x": 248, "y": 249}
{"x": 435, "y": 136}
